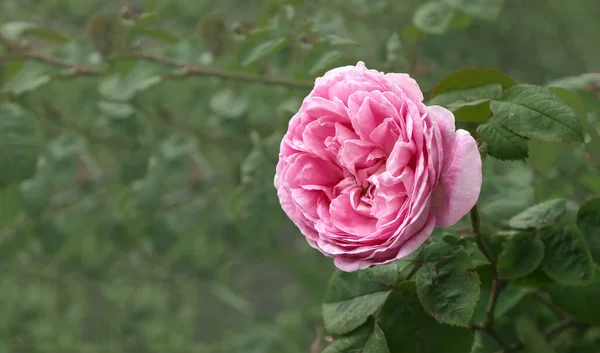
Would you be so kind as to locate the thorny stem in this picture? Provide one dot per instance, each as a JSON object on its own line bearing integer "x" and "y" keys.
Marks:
{"x": 182, "y": 70}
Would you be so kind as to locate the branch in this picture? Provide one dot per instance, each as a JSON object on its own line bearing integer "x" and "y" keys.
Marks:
{"x": 564, "y": 325}
{"x": 182, "y": 70}
{"x": 495, "y": 335}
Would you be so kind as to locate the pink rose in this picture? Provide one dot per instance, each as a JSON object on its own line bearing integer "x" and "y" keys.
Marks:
{"x": 366, "y": 170}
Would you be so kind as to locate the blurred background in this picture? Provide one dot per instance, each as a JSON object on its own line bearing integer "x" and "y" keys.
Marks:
{"x": 138, "y": 144}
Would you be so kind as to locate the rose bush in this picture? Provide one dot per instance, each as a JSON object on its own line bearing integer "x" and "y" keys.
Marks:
{"x": 366, "y": 170}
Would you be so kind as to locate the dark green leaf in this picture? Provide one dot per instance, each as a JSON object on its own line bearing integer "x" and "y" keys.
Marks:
{"x": 367, "y": 339}
{"x": 447, "y": 284}
{"x": 460, "y": 20}
{"x": 567, "y": 258}
{"x": 536, "y": 279}
{"x": 433, "y": 17}
{"x": 455, "y": 99}
{"x": 510, "y": 297}
{"x": 409, "y": 329}
{"x": 502, "y": 143}
{"x": 325, "y": 62}
{"x": 579, "y": 301}
{"x": 588, "y": 220}
{"x": 539, "y": 215}
{"x": 485, "y": 9}
{"x": 352, "y": 297}
{"x": 263, "y": 49}
{"x": 9, "y": 204}
{"x": 14, "y": 30}
{"x": 19, "y": 145}
{"x": 521, "y": 255}
{"x": 471, "y": 77}
{"x": 533, "y": 340}
{"x": 36, "y": 192}
{"x": 534, "y": 112}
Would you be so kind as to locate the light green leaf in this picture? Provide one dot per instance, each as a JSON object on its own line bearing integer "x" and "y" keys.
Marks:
{"x": 30, "y": 77}
{"x": 534, "y": 112}
{"x": 17, "y": 29}
{"x": 576, "y": 83}
{"x": 352, "y": 297}
{"x": 588, "y": 220}
{"x": 228, "y": 104}
{"x": 533, "y": 340}
{"x": 409, "y": 329}
{"x": 116, "y": 109}
{"x": 471, "y": 77}
{"x": 579, "y": 301}
{"x": 263, "y": 49}
{"x": 521, "y": 255}
{"x": 10, "y": 204}
{"x": 367, "y": 339}
{"x": 567, "y": 258}
{"x": 19, "y": 144}
{"x": 433, "y": 17}
{"x": 539, "y": 215}
{"x": 502, "y": 143}
{"x": 484, "y": 9}
{"x": 447, "y": 284}
{"x": 325, "y": 62}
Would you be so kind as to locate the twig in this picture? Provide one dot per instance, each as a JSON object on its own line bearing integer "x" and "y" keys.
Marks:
{"x": 495, "y": 335}
{"x": 558, "y": 311}
{"x": 564, "y": 325}
{"x": 182, "y": 70}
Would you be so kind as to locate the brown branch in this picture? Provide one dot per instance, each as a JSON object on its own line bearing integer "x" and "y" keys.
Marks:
{"x": 182, "y": 70}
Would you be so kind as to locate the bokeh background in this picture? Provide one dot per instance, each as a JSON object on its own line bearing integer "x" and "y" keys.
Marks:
{"x": 137, "y": 207}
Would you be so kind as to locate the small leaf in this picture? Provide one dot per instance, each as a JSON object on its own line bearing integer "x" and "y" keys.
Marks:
{"x": 367, "y": 339}
{"x": 352, "y": 297}
{"x": 433, "y": 17}
{"x": 530, "y": 336}
{"x": 448, "y": 285}
{"x": 409, "y": 329}
{"x": 325, "y": 62}
{"x": 567, "y": 258}
{"x": 534, "y": 112}
{"x": 30, "y": 77}
{"x": 488, "y": 10}
{"x": 521, "y": 256}
{"x": 538, "y": 215}
{"x": 14, "y": 30}
{"x": 454, "y": 99}
{"x": 471, "y": 77}
{"x": 503, "y": 143}
{"x": 19, "y": 145}
{"x": 228, "y": 104}
{"x": 588, "y": 220}
{"x": 10, "y": 204}
{"x": 116, "y": 109}
{"x": 36, "y": 193}
{"x": 576, "y": 83}
{"x": 579, "y": 301}
{"x": 263, "y": 49}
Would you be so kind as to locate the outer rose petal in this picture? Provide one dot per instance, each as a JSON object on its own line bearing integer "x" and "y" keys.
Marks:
{"x": 460, "y": 181}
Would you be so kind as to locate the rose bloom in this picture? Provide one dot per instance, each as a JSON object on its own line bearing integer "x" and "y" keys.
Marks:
{"x": 366, "y": 170}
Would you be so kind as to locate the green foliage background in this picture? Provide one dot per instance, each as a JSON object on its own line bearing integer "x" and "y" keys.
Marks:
{"x": 137, "y": 208}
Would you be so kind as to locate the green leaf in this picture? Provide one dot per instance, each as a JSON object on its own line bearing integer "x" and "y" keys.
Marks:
{"x": 367, "y": 339}
{"x": 534, "y": 112}
{"x": 511, "y": 297}
{"x": 579, "y": 301}
{"x": 576, "y": 83}
{"x": 454, "y": 99}
{"x": 36, "y": 193}
{"x": 471, "y": 77}
{"x": 155, "y": 33}
{"x": 17, "y": 29}
{"x": 521, "y": 255}
{"x": 502, "y": 143}
{"x": 30, "y": 77}
{"x": 324, "y": 62}
{"x": 536, "y": 279}
{"x": 567, "y": 258}
{"x": 533, "y": 340}
{"x": 460, "y": 19}
{"x": 588, "y": 220}
{"x": 19, "y": 145}
{"x": 447, "y": 284}
{"x": 433, "y": 17}
{"x": 10, "y": 204}
{"x": 263, "y": 49}
{"x": 116, "y": 109}
{"x": 227, "y": 104}
{"x": 352, "y": 297}
{"x": 538, "y": 215}
{"x": 409, "y": 329}
{"x": 489, "y": 10}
